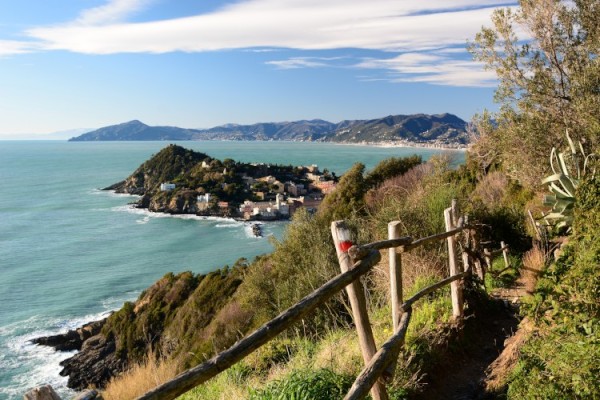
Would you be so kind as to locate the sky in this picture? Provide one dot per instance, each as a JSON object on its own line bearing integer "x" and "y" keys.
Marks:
{"x": 70, "y": 64}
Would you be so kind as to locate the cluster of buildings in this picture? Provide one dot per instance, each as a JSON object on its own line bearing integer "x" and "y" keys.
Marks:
{"x": 273, "y": 199}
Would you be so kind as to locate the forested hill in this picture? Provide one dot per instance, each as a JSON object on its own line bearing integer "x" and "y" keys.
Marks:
{"x": 438, "y": 129}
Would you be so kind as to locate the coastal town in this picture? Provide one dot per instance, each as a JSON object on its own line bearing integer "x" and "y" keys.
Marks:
{"x": 268, "y": 198}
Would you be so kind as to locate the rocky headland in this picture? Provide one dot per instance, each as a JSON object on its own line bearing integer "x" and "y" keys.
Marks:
{"x": 182, "y": 181}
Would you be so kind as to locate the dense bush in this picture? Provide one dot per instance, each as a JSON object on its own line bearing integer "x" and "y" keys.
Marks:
{"x": 562, "y": 358}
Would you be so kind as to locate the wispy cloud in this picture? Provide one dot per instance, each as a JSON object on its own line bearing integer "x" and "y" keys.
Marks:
{"x": 12, "y": 47}
{"x": 401, "y": 27}
{"x": 112, "y": 12}
{"x": 305, "y": 62}
{"x": 434, "y": 68}
{"x": 298, "y": 24}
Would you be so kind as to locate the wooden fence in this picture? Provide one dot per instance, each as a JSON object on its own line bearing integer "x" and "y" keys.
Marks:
{"x": 355, "y": 261}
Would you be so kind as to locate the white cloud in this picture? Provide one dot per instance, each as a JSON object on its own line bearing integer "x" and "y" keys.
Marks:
{"x": 305, "y": 62}
{"x": 434, "y": 68}
{"x": 113, "y": 11}
{"x": 13, "y": 47}
{"x": 388, "y": 25}
{"x": 297, "y": 62}
{"x": 399, "y": 26}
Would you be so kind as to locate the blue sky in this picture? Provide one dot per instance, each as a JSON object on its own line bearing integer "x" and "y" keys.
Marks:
{"x": 67, "y": 64}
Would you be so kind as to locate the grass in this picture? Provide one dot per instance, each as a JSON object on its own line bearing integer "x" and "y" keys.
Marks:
{"x": 141, "y": 378}
{"x": 500, "y": 276}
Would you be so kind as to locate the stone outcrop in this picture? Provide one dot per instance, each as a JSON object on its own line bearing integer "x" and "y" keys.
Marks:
{"x": 73, "y": 339}
{"x": 42, "y": 393}
{"x": 94, "y": 365}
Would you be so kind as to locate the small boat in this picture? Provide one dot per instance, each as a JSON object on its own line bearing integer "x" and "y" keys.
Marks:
{"x": 257, "y": 230}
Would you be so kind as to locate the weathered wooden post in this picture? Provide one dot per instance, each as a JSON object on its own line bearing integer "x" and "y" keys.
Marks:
{"x": 504, "y": 248}
{"x": 487, "y": 255}
{"x": 455, "y": 288}
{"x": 395, "y": 274}
{"x": 343, "y": 241}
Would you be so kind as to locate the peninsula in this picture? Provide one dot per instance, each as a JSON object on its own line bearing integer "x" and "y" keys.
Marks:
{"x": 181, "y": 181}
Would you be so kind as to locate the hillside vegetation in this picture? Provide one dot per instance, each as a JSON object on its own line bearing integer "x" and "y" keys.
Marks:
{"x": 548, "y": 93}
{"x": 324, "y": 348}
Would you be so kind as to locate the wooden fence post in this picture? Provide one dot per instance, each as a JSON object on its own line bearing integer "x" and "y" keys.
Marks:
{"x": 455, "y": 288}
{"x": 342, "y": 239}
{"x": 487, "y": 255}
{"x": 395, "y": 274}
{"x": 505, "y": 254}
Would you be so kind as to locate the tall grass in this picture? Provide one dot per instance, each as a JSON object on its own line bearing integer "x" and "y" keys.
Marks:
{"x": 141, "y": 378}
{"x": 533, "y": 264}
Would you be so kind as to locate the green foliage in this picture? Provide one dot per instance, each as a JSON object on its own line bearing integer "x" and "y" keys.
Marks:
{"x": 348, "y": 198}
{"x": 501, "y": 277}
{"x": 547, "y": 84}
{"x": 175, "y": 315}
{"x": 320, "y": 384}
{"x": 167, "y": 165}
{"x": 502, "y": 213}
{"x": 226, "y": 304}
{"x": 389, "y": 168}
{"x": 562, "y": 359}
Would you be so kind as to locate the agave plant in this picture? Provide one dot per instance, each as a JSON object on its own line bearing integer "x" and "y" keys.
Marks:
{"x": 564, "y": 182}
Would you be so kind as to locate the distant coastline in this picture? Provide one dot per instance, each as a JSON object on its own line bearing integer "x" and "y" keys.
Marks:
{"x": 437, "y": 131}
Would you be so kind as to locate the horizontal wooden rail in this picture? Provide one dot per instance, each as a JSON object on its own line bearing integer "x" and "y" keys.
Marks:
{"x": 405, "y": 243}
{"x": 495, "y": 252}
{"x": 434, "y": 238}
{"x": 429, "y": 289}
{"x": 203, "y": 372}
{"x": 391, "y": 348}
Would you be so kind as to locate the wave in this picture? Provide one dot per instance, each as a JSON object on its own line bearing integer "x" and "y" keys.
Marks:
{"x": 26, "y": 365}
{"x": 112, "y": 193}
{"x": 224, "y": 222}
{"x": 235, "y": 224}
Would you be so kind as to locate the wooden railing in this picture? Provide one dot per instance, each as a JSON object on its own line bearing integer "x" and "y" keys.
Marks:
{"x": 355, "y": 261}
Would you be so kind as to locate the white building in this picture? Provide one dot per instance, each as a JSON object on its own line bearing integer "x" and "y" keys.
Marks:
{"x": 283, "y": 208}
{"x": 203, "y": 198}
{"x": 166, "y": 187}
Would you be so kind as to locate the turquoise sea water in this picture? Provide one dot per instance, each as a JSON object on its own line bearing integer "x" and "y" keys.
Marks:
{"x": 70, "y": 253}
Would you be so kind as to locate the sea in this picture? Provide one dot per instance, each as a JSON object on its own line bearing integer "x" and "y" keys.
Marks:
{"x": 71, "y": 253}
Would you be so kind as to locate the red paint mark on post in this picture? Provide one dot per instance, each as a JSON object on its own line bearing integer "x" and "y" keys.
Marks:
{"x": 345, "y": 245}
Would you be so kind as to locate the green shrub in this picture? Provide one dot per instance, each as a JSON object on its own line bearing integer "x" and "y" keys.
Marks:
{"x": 500, "y": 276}
{"x": 321, "y": 384}
{"x": 562, "y": 359}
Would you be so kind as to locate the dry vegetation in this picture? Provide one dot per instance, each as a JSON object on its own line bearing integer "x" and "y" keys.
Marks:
{"x": 534, "y": 261}
{"x": 141, "y": 378}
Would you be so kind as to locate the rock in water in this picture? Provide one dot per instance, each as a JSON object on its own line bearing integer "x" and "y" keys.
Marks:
{"x": 73, "y": 339}
{"x": 42, "y": 393}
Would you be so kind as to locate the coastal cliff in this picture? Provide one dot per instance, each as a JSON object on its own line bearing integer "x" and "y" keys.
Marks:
{"x": 176, "y": 315}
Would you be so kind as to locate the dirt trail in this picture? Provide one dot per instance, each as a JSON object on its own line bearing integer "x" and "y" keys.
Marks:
{"x": 487, "y": 349}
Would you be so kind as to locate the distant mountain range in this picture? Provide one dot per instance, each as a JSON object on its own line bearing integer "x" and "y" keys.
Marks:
{"x": 438, "y": 129}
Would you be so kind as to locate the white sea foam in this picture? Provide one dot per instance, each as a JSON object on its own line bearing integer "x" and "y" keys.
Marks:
{"x": 112, "y": 193}
{"x": 132, "y": 209}
{"x": 235, "y": 224}
{"x": 40, "y": 364}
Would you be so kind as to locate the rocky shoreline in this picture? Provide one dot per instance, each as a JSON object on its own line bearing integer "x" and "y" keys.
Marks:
{"x": 96, "y": 361}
